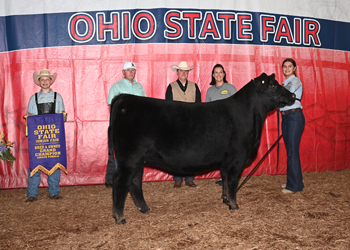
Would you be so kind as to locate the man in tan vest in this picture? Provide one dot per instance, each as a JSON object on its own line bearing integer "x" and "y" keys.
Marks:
{"x": 185, "y": 91}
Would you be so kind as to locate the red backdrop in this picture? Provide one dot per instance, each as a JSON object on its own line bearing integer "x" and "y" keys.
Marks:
{"x": 85, "y": 74}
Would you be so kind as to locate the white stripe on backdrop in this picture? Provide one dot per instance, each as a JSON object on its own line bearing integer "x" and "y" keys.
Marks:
{"x": 337, "y": 10}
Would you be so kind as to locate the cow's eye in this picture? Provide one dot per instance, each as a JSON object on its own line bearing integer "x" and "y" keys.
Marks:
{"x": 272, "y": 85}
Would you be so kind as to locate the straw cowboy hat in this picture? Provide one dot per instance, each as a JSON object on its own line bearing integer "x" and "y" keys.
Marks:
{"x": 43, "y": 72}
{"x": 182, "y": 65}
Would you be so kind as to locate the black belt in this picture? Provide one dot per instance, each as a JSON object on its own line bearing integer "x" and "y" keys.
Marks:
{"x": 290, "y": 110}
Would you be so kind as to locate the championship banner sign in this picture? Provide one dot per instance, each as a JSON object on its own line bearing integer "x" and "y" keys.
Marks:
{"x": 46, "y": 143}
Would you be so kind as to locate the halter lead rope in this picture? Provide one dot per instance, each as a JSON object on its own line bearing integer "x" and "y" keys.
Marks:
{"x": 263, "y": 158}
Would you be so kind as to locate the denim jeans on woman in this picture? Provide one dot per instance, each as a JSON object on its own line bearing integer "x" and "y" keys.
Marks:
{"x": 293, "y": 125}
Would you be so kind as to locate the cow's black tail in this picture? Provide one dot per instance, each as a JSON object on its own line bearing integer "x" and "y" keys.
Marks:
{"x": 111, "y": 160}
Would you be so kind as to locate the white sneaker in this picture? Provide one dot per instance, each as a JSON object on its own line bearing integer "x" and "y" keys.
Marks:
{"x": 284, "y": 185}
{"x": 287, "y": 191}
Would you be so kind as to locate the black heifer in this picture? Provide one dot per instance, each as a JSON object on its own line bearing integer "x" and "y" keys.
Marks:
{"x": 187, "y": 138}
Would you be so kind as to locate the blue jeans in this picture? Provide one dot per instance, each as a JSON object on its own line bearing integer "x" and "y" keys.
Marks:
{"x": 293, "y": 125}
{"x": 180, "y": 178}
{"x": 34, "y": 182}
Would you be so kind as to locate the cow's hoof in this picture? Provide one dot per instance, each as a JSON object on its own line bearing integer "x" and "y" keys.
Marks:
{"x": 233, "y": 208}
{"x": 120, "y": 221}
{"x": 225, "y": 201}
{"x": 145, "y": 210}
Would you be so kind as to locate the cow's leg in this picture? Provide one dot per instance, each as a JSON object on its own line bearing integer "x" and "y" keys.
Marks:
{"x": 223, "y": 172}
{"x": 136, "y": 191}
{"x": 121, "y": 182}
{"x": 120, "y": 192}
{"x": 233, "y": 176}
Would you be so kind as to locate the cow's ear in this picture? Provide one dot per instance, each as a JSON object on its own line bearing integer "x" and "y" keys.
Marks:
{"x": 273, "y": 76}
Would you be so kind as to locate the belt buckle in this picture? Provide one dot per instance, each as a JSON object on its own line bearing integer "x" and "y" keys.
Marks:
{"x": 283, "y": 112}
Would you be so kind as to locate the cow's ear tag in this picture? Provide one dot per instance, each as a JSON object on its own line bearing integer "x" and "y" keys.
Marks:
{"x": 263, "y": 82}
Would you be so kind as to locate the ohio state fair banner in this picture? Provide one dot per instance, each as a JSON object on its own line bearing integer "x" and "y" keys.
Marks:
{"x": 86, "y": 43}
{"x": 168, "y": 25}
{"x": 46, "y": 143}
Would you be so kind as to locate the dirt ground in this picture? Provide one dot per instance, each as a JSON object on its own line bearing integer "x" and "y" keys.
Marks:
{"x": 185, "y": 218}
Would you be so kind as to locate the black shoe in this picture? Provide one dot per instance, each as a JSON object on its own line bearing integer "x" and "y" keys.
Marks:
{"x": 219, "y": 182}
{"x": 56, "y": 197}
